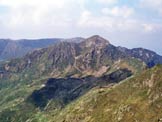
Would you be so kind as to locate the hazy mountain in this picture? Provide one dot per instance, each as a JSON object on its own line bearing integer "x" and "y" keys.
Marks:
{"x": 3, "y": 44}
{"x": 75, "y": 40}
{"x": 16, "y": 48}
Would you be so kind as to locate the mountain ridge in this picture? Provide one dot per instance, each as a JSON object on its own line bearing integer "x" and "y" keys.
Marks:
{"x": 74, "y": 58}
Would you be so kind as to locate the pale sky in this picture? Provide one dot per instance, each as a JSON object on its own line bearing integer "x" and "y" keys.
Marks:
{"x": 129, "y": 23}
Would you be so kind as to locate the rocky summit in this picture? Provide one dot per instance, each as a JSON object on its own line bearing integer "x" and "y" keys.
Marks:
{"x": 81, "y": 80}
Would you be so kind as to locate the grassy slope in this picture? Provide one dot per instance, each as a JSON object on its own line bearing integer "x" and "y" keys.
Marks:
{"x": 16, "y": 105}
{"x": 138, "y": 99}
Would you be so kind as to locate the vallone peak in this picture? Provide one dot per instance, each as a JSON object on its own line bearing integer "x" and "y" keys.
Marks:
{"x": 95, "y": 41}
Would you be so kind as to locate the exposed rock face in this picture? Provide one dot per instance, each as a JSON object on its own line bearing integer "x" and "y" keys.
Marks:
{"x": 63, "y": 54}
{"x": 150, "y": 82}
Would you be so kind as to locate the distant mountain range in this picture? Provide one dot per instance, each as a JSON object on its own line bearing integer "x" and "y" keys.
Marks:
{"x": 10, "y": 49}
{"x": 77, "y": 80}
{"x": 16, "y": 48}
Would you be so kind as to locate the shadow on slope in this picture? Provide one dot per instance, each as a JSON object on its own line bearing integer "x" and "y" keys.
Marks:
{"x": 64, "y": 90}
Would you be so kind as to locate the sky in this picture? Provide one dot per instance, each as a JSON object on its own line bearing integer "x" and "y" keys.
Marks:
{"x": 128, "y": 23}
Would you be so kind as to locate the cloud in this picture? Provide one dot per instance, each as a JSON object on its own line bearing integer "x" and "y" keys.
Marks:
{"x": 148, "y": 27}
{"x": 107, "y": 1}
{"x": 66, "y": 14}
{"x": 116, "y": 19}
{"x": 117, "y": 11}
{"x": 38, "y": 16}
{"x": 155, "y": 5}
{"x": 34, "y": 3}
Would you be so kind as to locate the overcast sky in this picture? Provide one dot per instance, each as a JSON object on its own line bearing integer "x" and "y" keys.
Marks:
{"x": 129, "y": 23}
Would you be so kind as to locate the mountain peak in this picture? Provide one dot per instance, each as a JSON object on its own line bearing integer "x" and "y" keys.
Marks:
{"x": 95, "y": 41}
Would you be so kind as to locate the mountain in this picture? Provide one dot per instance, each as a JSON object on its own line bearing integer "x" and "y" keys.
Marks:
{"x": 94, "y": 56}
{"x": 69, "y": 82}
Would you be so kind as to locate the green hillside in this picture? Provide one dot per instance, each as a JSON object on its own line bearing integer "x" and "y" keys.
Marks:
{"x": 137, "y": 99}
